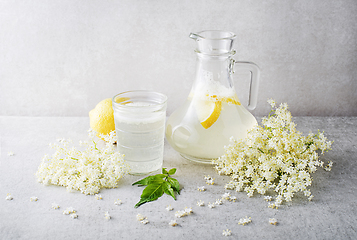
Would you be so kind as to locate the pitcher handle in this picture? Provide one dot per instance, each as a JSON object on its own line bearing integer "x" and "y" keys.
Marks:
{"x": 254, "y": 81}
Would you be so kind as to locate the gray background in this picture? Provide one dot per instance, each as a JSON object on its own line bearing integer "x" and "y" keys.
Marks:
{"x": 60, "y": 58}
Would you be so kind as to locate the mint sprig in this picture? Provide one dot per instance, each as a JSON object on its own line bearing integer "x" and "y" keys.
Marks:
{"x": 157, "y": 185}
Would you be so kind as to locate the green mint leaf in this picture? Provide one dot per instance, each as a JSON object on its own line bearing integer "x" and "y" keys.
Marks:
{"x": 172, "y": 171}
{"x": 174, "y": 184}
{"x": 151, "y": 193}
{"x": 157, "y": 185}
{"x": 168, "y": 189}
{"x": 148, "y": 180}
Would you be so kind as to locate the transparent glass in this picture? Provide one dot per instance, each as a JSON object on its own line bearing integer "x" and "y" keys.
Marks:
{"x": 212, "y": 113}
{"x": 139, "y": 118}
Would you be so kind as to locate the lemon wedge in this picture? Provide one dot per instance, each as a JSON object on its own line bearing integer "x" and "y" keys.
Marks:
{"x": 208, "y": 112}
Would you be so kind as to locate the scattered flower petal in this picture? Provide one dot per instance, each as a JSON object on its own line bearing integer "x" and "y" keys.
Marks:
{"x": 188, "y": 210}
{"x": 55, "y": 206}
{"x": 118, "y": 202}
{"x": 180, "y": 214}
{"x": 209, "y": 180}
{"x": 226, "y": 233}
{"x": 226, "y": 196}
{"x": 211, "y": 205}
{"x": 140, "y": 217}
{"x": 200, "y": 203}
{"x": 8, "y": 197}
{"x": 273, "y": 221}
{"x": 33, "y": 199}
{"x": 268, "y": 198}
{"x": 145, "y": 221}
{"x": 69, "y": 210}
{"x": 201, "y": 189}
{"x": 244, "y": 221}
{"x": 232, "y": 198}
{"x": 173, "y": 223}
{"x": 169, "y": 208}
{"x": 107, "y": 216}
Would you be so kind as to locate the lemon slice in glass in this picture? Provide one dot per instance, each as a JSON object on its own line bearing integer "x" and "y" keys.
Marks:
{"x": 208, "y": 112}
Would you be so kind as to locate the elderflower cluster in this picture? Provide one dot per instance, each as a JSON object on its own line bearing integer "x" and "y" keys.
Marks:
{"x": 274, "y": 156}
{"x": 86, "y": 171}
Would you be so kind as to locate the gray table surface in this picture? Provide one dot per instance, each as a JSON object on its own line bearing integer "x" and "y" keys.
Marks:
{"x": 331, "y": 215}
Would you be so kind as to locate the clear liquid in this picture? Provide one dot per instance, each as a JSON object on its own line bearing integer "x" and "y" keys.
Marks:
{"x": 186, "y": 135}
{"x": 141, "y": 140}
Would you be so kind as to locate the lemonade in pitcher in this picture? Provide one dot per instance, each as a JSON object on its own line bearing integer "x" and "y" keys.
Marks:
{"x": 212, "y": 113}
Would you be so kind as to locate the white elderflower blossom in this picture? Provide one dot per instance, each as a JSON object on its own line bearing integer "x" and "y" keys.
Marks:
{"x": 106, "y": 215}
{"x": 118, "y": 202}
{"x": 226, "y": 233}
{"x": 226, "y": 196}
{"x": 69, "y": 210}
{"x": 33, "y": 199}
{"x": 173, "y": 223}
{"x": 201, "y": 189}
{"x": 209, "y": 180}
{"x": 98, "y": 197}
{"x": 86, "y": 171}
{"x": 10, "y": 153}
{"x": 145, "y": 221}
{"x": 8, "y": 197}
{"x": 244, "y": 221}
{"x": 219, "y": 202}
{"x": 211, "y": 205}
{"x": 169, "y": 208}
{"x": 274, "y": 156}
{"x": 232, "y": 198}
{"x": 273, "y": 206}
{"x": 74, "y": 215}
{"x": 229, "y": 186}
{"x": 268, "y": 198}
{"x": 55, "y": 206}
{"x": 188, "y": 210}
{"x": 328, "y": 166}
{"x": 180, "y": 214}
{"x": 140, "y": 217}
{"x": 273, "y": 221}
{"x": 200, "y": 203}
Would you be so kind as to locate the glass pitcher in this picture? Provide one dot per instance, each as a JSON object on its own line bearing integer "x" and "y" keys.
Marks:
{"x": 212, "y": 113}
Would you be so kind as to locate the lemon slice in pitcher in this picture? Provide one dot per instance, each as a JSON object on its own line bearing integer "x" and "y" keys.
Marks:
{"x": 208, "y": 112}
